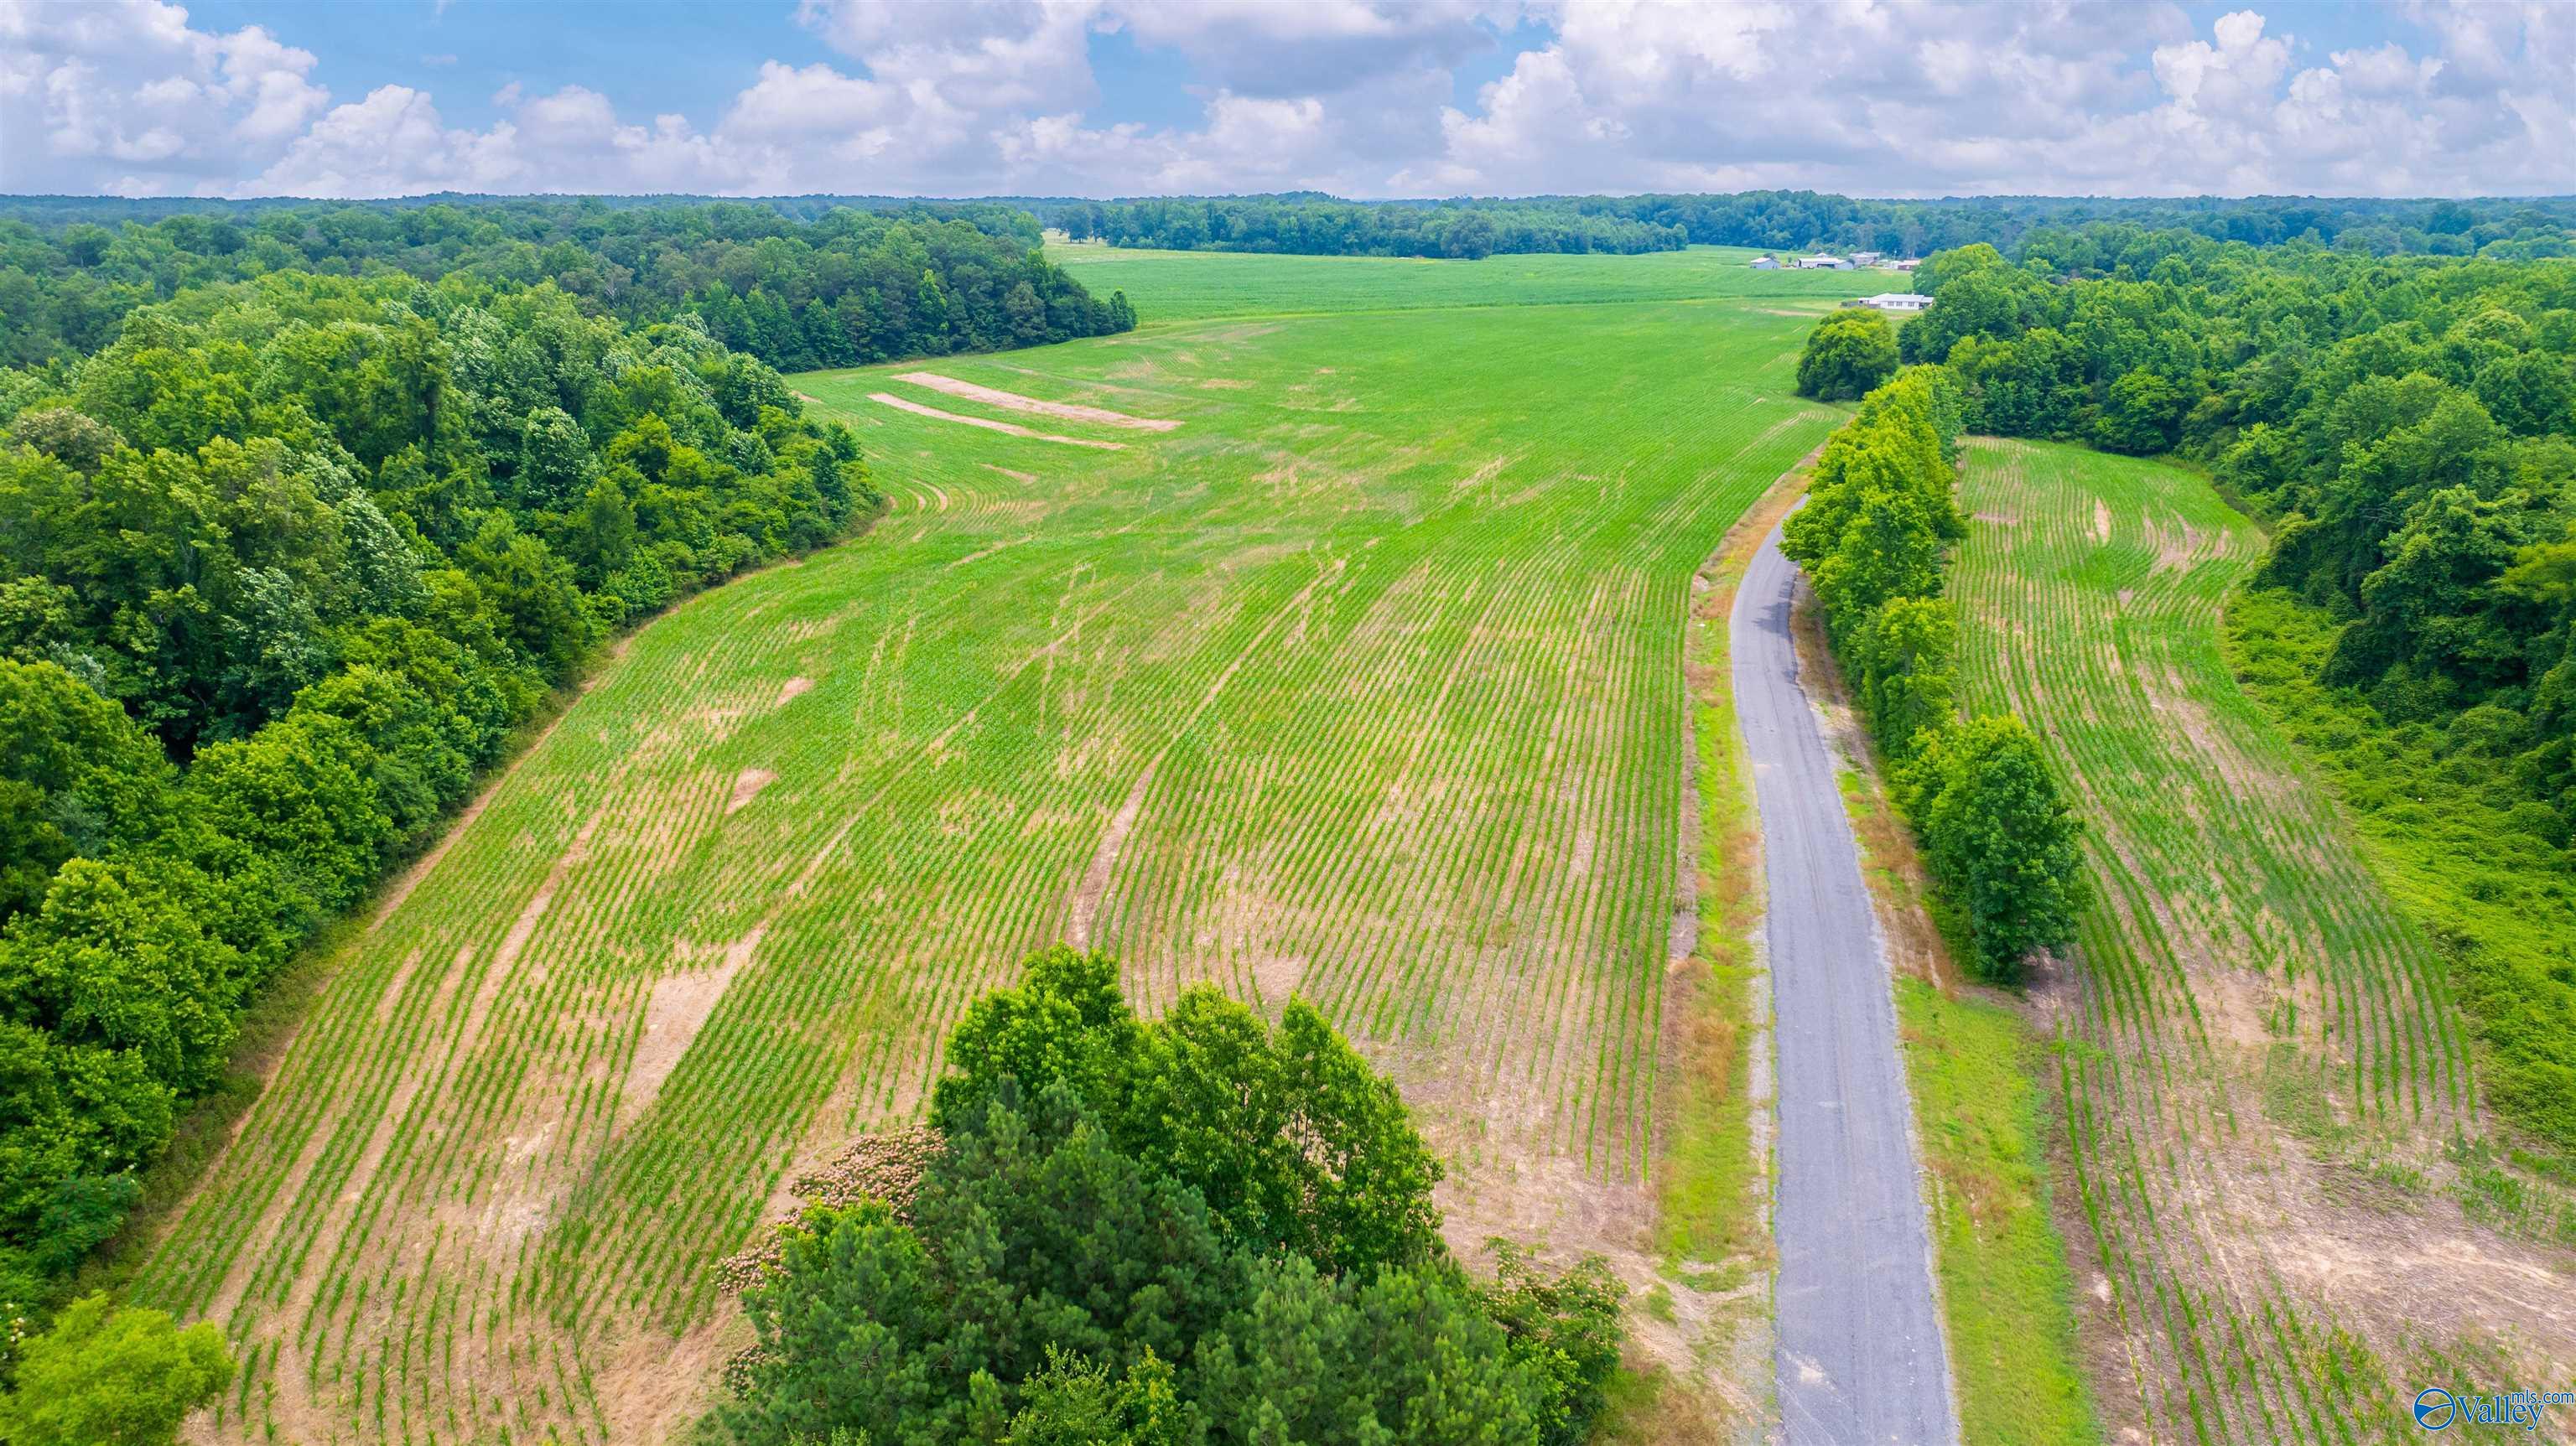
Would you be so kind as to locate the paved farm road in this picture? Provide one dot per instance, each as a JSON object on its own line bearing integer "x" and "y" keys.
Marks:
{"x": 1860, "y": 1351}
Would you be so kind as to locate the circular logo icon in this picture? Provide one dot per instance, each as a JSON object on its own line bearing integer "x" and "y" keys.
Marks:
{"x": 2434, "y": 1408}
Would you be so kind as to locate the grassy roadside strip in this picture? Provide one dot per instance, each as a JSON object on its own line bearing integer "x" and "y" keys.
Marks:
{"x": 2007, "y": 1294}
{"x": 1712, "y": 1227}
{"x": 1973, "y": 1067}
{"x": 1710, "y": 1184}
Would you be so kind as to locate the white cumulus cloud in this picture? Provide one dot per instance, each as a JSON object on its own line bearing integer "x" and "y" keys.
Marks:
{"x": 965, "y": 97}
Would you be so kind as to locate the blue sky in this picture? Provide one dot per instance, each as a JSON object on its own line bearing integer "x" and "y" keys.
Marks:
{"x": 1361, "y": 97}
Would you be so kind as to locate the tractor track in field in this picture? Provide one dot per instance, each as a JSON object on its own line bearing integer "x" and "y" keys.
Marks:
{"x": 1860, "y": 1354}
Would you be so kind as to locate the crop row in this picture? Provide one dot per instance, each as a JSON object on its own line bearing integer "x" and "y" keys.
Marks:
{"x": 2235, "y": 941}
{"x": 1386, "y": 653}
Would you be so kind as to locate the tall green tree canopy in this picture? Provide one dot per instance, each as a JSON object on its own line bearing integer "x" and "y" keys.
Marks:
{"x": 281, "y": 568}
{"x": 1200, "y": 1229}
{"x": 1848, "y": 354}
{"x": 102, "y": 1376}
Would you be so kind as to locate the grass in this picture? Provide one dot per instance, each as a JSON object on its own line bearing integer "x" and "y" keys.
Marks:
{"x": 1710, "y": 1177}
{"x": 2006, "y": 1294}
{"x": 1174, "y": 286}
{"x": 2448, "y": 831}
{"x": 2251, "y": 1013}
{"x": 1367, "y": 683}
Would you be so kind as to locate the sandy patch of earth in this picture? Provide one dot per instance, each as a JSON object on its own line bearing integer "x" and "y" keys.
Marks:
{"x": 1070, "y": 411}
{"x": 1012, "y": 429}
{"x": 747, "y": 786}
{"x": 679, "y": 1008}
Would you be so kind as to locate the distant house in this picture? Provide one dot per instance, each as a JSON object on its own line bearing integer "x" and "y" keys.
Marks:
{"x": 1905, "y": 301}
{"x": 1905, "y": 265}
{"x": 1766, "y": 263}
{"x": 1824, "y": 263}
{"x": 1865, "y": 258}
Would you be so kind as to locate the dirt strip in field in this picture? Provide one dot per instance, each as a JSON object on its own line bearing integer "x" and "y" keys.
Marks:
{"x": 1013, "y": 428}
{"x": 1070, "y": 411}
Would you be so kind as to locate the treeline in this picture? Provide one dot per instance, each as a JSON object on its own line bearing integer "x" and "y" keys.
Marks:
{"x": 281, "y": 570}
{"x": 1198, "y": 1230}
{"x": 1314, "y": 225}
{"x": 1786, "y": 220}
{"x": 2404, "y": 427}
{"x": 845, "y": 288}
{"x": 2073, "y": 234}
{"x": 1875, "y": 538}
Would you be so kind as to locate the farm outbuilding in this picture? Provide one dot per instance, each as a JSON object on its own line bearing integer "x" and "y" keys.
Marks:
{"x": 1905, "y": 301}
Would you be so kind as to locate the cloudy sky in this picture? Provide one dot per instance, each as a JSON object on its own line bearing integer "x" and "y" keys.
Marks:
{"x": 1359, "y": 97}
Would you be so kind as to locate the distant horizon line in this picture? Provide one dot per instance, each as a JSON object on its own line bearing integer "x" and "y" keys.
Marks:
{"x": 1000, "y": 198}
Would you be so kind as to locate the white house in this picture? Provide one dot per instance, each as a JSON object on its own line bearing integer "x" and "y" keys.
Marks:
{"x": 1824, "y": 263}
{"x": 1905, "y": 301}
{"x": 1865, "y": 258}
{"x": 1906, "y": 265}
{"x": 1766, "y": 263}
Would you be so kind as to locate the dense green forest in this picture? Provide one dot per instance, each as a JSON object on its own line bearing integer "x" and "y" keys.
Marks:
{"x": 1196, "y": 1230}
{"x": 844, "y": 288}
{"x": 860, "y": 258}
{"x": 1315, "y": 224}
{"x": 281, "y": 570}
{"x": 2403, "y": 426}
{"x": 1875, "y": 537}
{"x": 1779, "y": 220}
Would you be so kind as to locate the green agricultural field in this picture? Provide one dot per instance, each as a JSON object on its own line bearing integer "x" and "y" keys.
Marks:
{"x": 1363, "y": 681}
{"x": 2260, "y": 1065}
{"x": 1189, "y": 285}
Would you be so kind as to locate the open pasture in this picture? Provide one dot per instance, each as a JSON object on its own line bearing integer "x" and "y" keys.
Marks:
{"x": 1364, "y": 681}
{"x": 1189, "y": 285}
{"x": 2259, "y": 1062}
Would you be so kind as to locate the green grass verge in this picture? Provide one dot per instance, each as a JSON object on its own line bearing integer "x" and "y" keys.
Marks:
{"x": 2005, "y": 1288}
{"x": 1708, "y": 1174}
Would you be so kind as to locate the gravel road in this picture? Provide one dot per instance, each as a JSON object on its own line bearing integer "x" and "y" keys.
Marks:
{"x": 1861, "y": 1358}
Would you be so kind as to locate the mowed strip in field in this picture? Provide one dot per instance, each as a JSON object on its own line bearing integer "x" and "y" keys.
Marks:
{"x": 2260, "y": 1064}
{"x": 1363, "y": 683}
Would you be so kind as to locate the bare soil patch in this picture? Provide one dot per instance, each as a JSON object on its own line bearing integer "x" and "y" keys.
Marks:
{"x": 1013, "y": 401}
{"x": 747, "y": 786}
{"x": 988, "y": 424}
{"x": 678, "y": 1009}
{"x": 1277, "y": 977}
{"x": 1095, "y": 879}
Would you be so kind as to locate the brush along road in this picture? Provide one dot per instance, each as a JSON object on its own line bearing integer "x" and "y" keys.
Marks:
{"x": 1860, "y": 1351}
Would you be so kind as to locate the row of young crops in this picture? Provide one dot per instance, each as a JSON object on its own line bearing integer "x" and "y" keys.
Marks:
{"x": 2235, "y": 940}
{"x": 1369, "y": 675}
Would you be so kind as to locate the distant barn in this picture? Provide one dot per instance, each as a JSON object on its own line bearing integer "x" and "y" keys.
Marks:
{"x": 1766, "y": 263}
{"x": 1824, "y": 263}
